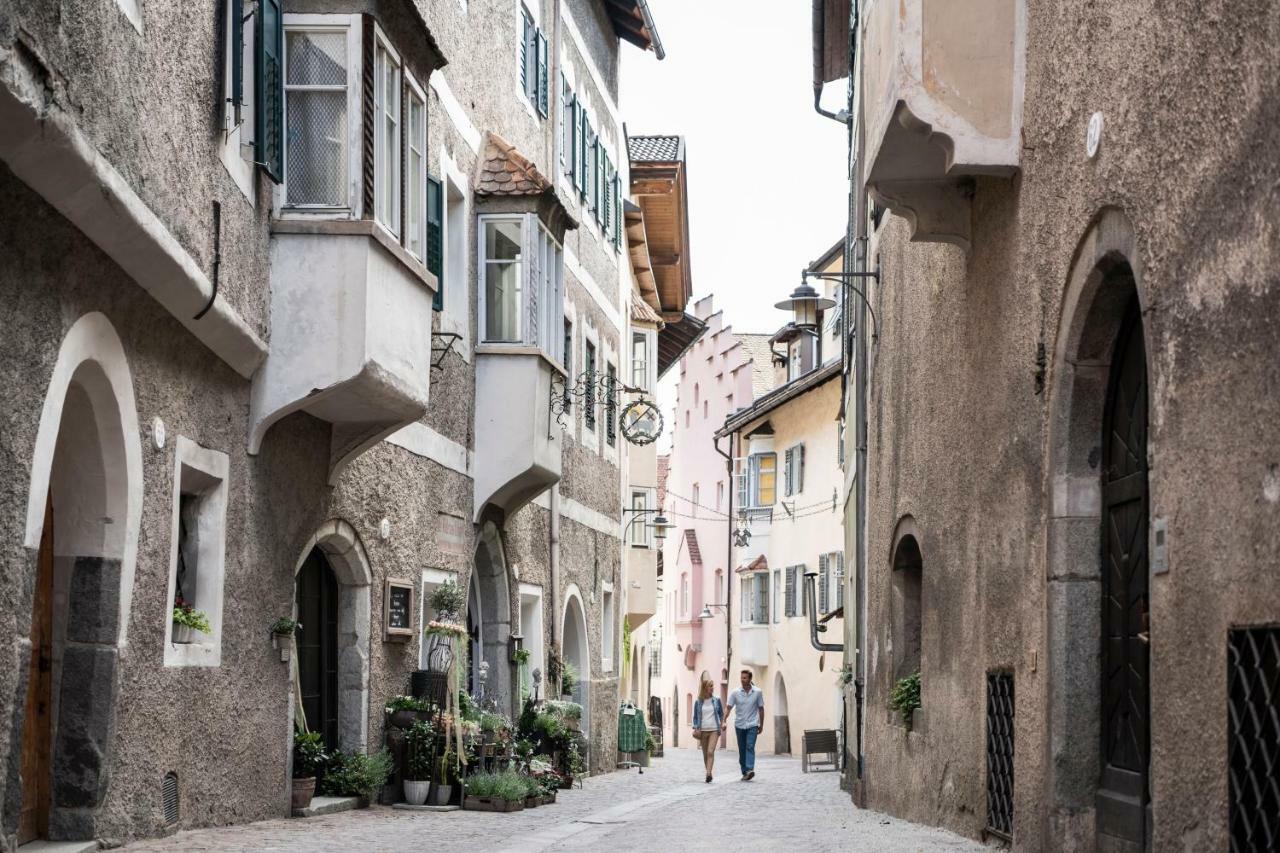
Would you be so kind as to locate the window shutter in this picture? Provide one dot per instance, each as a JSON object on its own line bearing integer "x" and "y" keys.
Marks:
{"x": 787, "y": 461}
{"x": 526, "y": 32}
{"x": 566, "y": 122}
{"x": 269, "y": 103}
{"x": 839, "y": 555}
{"x": 804, "y": 608}
{"x": 617, "y": 211}
{"x": 791, "y": 591}
{"x": 800, "y": 471}
{"x": 746, "y": 600}
{"x": 543, "y": 94}
{"x": 235, "y": 44}
{"x": 824, "y": 583}
{"x": 435, "y": 237}
{"x": 579, "y": 147}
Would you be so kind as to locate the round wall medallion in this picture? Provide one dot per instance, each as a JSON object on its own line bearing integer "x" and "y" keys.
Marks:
{"x": 384, "y": 529}
{"x": 157, "y": 433}
{"x": 641, "y": 422}
{"x": 1093, "y": 137}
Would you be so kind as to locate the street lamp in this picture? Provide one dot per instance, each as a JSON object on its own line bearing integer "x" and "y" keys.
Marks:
{"x": 659, "y": 525}
{"x": 804, "y": 305}
{"x": 706, "y": 610}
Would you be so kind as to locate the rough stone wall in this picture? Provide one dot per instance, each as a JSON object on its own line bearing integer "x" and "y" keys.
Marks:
{"x": 958, "y": 434}
{"x": 155, "y": 113}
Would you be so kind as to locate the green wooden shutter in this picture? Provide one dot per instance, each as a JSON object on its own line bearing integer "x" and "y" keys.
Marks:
{"x": 435, "y": 237}
{"x": 800, "y": 470}
{"x": 235, "y": 44}
{"x": 526, "y": 31}
{"x": 787, "y": 461}
{"x": 544, "y": 96}
{"x": 577, "y": 145}
{"x": 617, "y": 211}
{"x": 566, "y": 124}
{"x": 269, "y": 104}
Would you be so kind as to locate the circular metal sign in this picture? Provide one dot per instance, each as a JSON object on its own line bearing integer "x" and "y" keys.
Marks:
{"x": 1093, "y": 136}
{"x": 641, "y": 422}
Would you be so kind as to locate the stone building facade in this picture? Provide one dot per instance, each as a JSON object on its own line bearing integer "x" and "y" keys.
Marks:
{"x": 226, "y": 380}
{"x": 1070, "y": 413}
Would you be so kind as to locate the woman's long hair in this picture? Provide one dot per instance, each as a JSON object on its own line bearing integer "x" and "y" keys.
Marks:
{"x": 705, "y": 688}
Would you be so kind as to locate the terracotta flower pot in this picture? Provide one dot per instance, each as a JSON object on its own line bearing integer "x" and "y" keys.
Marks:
{"x": 303, "y": 791}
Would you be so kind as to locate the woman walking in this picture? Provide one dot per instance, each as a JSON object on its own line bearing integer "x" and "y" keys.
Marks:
{"x": 708, "y": 717}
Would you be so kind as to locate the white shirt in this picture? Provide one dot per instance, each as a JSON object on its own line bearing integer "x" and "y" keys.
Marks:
{"x": 708, "y": 715}
{"x": 748, "y": 703}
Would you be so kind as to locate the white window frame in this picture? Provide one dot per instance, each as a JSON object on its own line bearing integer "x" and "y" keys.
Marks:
{"x": 414, "y": 92}
{"x": 384, "y": 52}
{"x": 541, "y": 269}
{"x": 608, "y": 628}
{"x": 641, "y": 536}
{"x": 236, "y": 151}
{"x": 457, "y": 257}
{"x": 590, "y": 434}
{"x": 641, "y": 367}
{"x": 533, "y": 635}
{"x": 684, "y": 594}
{"x": 352, "y": 25}
{"x": 430, "y": 581}
{"x": 211, "y": 469}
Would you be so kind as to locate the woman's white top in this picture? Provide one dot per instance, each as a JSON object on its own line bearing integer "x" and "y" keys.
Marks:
{"x": 708, "y": 716}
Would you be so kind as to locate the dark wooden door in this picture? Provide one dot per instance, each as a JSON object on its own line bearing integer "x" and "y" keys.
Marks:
{"x": 317, "y": 641}
{"x": 33, "y": 822}
{"x": 1126, "y": 708}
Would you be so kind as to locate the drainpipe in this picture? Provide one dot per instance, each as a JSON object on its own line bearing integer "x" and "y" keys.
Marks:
{"x": 819, "y": 40}
{"x": 728, "y": 598}
{"x": 554, "y": 555}
{"x": 810, "y": 605}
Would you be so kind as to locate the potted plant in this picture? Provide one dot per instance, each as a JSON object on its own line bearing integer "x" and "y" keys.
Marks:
{"x": 308, "y": 759}
{"x": 905, "y": 698}
{"x": 650, "y": 748}
{"x": 441, "y": 785}
{"x": 568, "y": 678}
{"x": 402, "y": 711}
{"x": 532, "y": 792}
{"x": 187, "y": 621}
{"x": 284, "y": 627}
{"x": 354, "y": 774}
{"x": 417, "y": 772}
{"x": 496, "y": 792}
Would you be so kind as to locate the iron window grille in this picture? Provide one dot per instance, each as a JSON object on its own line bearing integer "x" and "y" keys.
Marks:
{"x": 1000, "y": 740}
{"x": 1253, "y": 724}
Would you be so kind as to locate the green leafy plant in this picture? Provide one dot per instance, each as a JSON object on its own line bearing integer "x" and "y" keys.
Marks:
{"x": 419, "y": 740}
{"x": 308, "y": 754}
{"x": 577, "y": 764}
{"x": 354, "y": 774}
{"x": 845, "y": 678}
{"x": 508, "y": 785}
{"x": 448, "y": 600}
{"x": 406, "y": 703}
{"x": 905, "y": 697}
{"x": 521, "y": 656}
{"x": 650, "y": 744}
{"x": 626, "y": 643}
{"x": 285, "y": 625}
{"x": 568, "y": 678}
{"x": 566, "y": 710}
{"x": 186, "y": 615}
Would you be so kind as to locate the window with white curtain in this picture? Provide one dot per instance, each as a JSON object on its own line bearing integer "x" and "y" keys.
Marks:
{"x": 415, "y": 236}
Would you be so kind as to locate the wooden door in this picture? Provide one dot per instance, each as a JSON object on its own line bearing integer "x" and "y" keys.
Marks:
{"x": 317, "y": 643}
{"x": 33, "y": 822}
{"x": 1126, "y": 705}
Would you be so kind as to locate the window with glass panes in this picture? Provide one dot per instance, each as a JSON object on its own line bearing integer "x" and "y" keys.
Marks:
{"x": 415, "y": 231}
{"x": 639, "y": 360}
{"x": 316, "y": 109}
{"x": 639, "y": 518}
{"x": 386, "y": 129}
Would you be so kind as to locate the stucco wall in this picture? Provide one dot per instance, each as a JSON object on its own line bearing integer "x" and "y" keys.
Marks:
{"x": 959, "y": 434}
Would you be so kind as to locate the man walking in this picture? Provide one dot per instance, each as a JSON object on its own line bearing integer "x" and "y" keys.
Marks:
{"x": 747, "y": 703}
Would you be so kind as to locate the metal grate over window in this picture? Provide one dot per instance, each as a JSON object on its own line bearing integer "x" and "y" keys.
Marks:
{"x": 316, "y": 106}
{"x": 1253, "y": 723}
{"x": 169, "y": 796}
{"x": 1000, "y": 754}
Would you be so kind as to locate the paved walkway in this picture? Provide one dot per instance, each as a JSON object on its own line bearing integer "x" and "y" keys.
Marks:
{"x": 668, "y": 808}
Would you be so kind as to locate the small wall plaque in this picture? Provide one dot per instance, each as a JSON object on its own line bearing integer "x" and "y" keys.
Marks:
{"x": 397, "y": 609}
{"x": 1159, "y": 546}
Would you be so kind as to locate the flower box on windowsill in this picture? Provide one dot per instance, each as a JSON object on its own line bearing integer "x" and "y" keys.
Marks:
{"x": 183, "y": 634}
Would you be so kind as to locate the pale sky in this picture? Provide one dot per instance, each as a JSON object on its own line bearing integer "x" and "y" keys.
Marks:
{"x": 767, "y": 188}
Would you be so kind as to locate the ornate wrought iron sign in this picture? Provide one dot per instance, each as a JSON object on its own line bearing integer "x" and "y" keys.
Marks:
{"x": 640, "y": 422}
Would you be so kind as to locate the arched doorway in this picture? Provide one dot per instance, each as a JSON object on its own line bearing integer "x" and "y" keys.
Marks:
{"x": 576, "y": 652}
{"x": 331, "y": 600}
{"x": 489, "y": 617}
{"x": 781, "y": 722}
{"x": 1096, "y": 559}
{"x": 83, "y": 511}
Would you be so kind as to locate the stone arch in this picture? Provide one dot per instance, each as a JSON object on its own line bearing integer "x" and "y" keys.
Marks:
{"x": 576, "y": 648}
{"x": 906, "y": 613}
{"x": 84, "y": 509}
{"x": 781, "y": 720}
{"x": 1104, "y": 280}
{"x": 492, "y": 589}
{"x": 342, "y": 549}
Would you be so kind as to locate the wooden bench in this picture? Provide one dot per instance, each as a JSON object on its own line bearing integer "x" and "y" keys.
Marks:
{"x": 819, "y": 742}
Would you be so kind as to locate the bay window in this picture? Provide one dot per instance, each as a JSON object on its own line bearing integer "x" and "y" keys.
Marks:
{"x": 415, "y": 232}
{"x": 757, "y": 480}
{"x": 640, "y": 360}
{"x": 755, "y": 598}
{"x": 317, "y": 99}
{"x": 522, "y": 287}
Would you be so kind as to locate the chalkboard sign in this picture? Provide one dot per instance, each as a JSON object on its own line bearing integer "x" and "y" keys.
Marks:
{"x": 398, "y": 610}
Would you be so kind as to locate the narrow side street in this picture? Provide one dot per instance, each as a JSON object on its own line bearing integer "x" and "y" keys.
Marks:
{"x": 668, "y": 808}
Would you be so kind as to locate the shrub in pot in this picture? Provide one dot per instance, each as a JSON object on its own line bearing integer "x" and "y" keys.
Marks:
{"x": 187, "y": 622}
{"x": 441, "y": 780}
{"x": 308, "y": 760}
{"x": 354, "y": 774}
{"x": 419, "y": 740}
{"x": 404, "y": 711}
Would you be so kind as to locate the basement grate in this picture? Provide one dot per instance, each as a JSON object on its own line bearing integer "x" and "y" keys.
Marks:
{"x": 169, "y": 794}
{"x": 1000, "y": 754}
{"x": 1253, "y": 724}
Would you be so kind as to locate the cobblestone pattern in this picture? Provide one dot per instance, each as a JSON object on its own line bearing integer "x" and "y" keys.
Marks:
{"x": 668, "y": 808}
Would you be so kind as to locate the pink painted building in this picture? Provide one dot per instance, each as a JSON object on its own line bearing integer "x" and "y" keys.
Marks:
{"x": 721, "y": 373}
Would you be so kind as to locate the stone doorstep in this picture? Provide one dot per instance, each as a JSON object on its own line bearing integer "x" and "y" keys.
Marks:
{"x": 411, "y": 808}
{"x": 59, "y": 847}
{"x": 325, "y": 805}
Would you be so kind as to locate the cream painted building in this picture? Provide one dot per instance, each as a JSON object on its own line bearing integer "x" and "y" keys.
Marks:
{"x": 788, "y": 521}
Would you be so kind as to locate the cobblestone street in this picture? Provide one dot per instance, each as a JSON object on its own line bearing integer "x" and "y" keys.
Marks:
{"x": 669, "y": 808}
